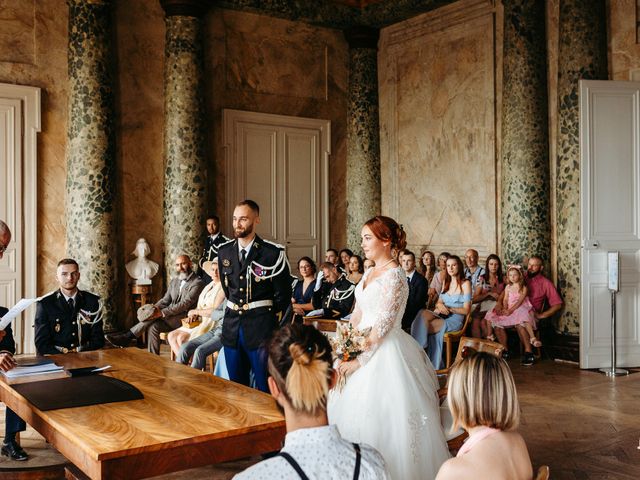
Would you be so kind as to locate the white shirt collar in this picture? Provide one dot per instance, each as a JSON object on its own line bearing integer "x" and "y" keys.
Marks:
{"x": 213, "y": 237}
{"x": 247, "y": 248}
{"x": 410, "y": 275}
{"x": 66, "y": 299}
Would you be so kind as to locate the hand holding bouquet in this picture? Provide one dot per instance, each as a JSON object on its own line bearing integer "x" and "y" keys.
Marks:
{"x": 348, "y": 343}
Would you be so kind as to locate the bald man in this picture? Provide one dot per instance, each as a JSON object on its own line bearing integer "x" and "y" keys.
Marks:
{"x": 182, "y": 296}
{"x": 13, "y": 423}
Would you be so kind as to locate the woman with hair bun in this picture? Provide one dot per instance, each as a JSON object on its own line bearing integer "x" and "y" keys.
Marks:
{"x": 390, "y": 398}
{"x": 300, "y": 378}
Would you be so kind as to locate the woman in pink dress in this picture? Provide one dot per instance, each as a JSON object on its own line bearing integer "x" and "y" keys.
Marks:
{"x": 516, "y": 309}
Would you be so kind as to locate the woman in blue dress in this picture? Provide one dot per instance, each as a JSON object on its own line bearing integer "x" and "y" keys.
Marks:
{"x": 454, "y": 304}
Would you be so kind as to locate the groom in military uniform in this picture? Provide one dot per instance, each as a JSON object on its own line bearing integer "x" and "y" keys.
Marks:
{"x": 257, "y": 284}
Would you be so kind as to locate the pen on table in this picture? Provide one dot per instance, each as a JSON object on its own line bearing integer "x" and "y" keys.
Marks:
{"x": 101, "y": 369}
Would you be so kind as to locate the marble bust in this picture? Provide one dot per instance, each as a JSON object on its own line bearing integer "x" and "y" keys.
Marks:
{"x": 141, "y": 268}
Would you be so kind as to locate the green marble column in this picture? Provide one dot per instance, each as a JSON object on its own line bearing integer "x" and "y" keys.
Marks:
{"x": 582, "y": 54}
{"x": 363, "y": 132}
{"x": 90, "y": 182}
{"x": 184, "y": 138}
{"x": 525, "y": 138}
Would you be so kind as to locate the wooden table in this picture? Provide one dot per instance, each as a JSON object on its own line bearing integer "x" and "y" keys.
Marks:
{"x": 187, "y": 419}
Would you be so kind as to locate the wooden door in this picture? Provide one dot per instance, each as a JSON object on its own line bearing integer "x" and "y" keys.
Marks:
{"x": 280, "y": 162}
{"x": 610, "y": 219}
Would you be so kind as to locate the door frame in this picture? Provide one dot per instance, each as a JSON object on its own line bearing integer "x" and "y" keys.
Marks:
{"x": 234, "y": 183}
{"x": 31, "y": 125}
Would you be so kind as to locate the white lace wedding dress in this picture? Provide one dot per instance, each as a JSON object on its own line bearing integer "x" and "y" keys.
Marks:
{"x": 391, "y": 401}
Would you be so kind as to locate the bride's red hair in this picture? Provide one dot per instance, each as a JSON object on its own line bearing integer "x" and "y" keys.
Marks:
{"x": 387, "y": 229}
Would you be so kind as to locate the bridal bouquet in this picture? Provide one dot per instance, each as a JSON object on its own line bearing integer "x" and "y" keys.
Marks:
{"x": 348, "y": 343}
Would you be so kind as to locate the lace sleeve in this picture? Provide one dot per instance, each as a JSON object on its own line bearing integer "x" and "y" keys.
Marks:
{"x": 393, "y": 300}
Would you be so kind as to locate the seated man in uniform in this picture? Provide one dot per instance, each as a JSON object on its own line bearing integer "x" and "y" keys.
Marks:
{"x": 167, "y": 313}
{"x": 336, "y": 294}
{"x": 69, "y": 319}
{"x": 12, "y": 422}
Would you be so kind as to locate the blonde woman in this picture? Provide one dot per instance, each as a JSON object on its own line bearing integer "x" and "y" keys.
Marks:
{"x": 300, "y": 378}
{"x": 210, "y": 298}
{"x": 483, "y": 400}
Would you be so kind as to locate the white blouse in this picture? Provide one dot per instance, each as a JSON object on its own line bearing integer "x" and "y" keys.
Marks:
{"x": 322, "y": 454}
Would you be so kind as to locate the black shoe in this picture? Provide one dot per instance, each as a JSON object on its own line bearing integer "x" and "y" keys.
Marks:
{"x": 528, "y": 359}
{"x": 119, "y": 339}
{"x": 506, "y": 355}
{"x": 14, "y": 451}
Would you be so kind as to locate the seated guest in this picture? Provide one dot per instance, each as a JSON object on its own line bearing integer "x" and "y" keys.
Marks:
{"x": 69, "y": 319}
{"x": 417, "y": 289}
{"x": 331, "y": 256}
{"x": 483, "y": 400}
{"x": 435, "y": 287}
{"x": 211, "y": 243}
{"x": 168, "y": 312}
{"x": 200, "y": 347}
{"x": 345, "y": 256}
{"x": 12, "y": 422}
{"x": 485, "y": 295}
{"x": 473, "y": 271}
{"x": 367, "y": 264}
{"x": 454, "y": 304}
{"x": 514, "y": 309}
{"x": 210, "y": 298}
{"x": 428, "y": 270}
{"x": 356, "y": 269}
{"x": 300, "y": 378}
{"x": 303, "y": 289}
{"x": 335, "y": 295}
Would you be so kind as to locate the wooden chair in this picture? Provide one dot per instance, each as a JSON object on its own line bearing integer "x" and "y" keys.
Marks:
{"x": 457, "y": 438}
{"x": 164, "y": 338}
{"x": 543, "y": 473}
{"x": 453, "y": 337}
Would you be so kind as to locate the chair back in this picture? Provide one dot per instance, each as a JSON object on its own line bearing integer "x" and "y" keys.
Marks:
{"x": 543, "y": 473}
{"x": 479, "y": 345}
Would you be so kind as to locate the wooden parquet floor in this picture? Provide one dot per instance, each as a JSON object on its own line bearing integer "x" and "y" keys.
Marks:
{"x": 581, "y": 423}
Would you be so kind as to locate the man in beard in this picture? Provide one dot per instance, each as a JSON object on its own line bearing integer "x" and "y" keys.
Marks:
{"x": 257, "y": 284}
{"x": 167, "y": 313}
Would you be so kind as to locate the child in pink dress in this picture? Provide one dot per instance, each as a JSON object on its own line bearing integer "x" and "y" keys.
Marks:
{"x": 516, "y": 309}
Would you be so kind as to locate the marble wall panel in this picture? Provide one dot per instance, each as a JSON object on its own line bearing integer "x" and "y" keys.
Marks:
{"x": 624, "y": 46}
{"x": 17, "y": 35}
{"x": 303, "y": 41}
{"x": 270, "y": 65}
{"x": 140, "y": 36}
{"x": 47, "y": 70}
{"x": 438, "y": 128}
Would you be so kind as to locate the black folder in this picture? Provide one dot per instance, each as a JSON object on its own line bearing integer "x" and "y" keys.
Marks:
{"x": 77, "y": 392}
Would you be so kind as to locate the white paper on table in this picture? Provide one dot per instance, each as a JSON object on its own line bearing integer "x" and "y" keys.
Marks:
{"x": 315, "y": 313}
{"x": 16, "y": 310}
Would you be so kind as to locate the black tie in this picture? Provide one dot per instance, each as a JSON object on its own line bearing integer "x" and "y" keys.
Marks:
{"x": 409, "y": 280}
{"x": 70, "y": 302}
{"x": 243, "y": 256}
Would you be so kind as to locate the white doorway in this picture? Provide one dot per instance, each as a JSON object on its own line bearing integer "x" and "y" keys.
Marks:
{"x": 610, "y": 219}
{"x": 19, "y": 124}
{"x": 282, "y": 163}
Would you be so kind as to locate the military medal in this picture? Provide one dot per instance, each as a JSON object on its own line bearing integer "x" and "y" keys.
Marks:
{"x": 57, "y": 328}
{"x": 226, "y": 262}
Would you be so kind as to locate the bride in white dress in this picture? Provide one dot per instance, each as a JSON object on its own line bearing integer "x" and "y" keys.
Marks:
{"x": 390, "y": 398}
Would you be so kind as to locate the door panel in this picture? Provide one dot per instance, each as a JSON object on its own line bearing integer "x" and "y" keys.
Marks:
{"x": 610, "y": 219}
{"x": 281, "y": 163}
